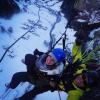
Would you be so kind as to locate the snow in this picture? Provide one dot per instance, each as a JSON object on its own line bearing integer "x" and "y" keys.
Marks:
{"x": 11, "y": 63}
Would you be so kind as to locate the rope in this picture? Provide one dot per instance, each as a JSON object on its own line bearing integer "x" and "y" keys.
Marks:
{"x": 64, "y": 41}
{"x": 59, "y": 95}
{"x": 60, "y": 37}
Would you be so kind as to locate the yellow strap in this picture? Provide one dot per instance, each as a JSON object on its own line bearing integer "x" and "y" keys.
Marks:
{"x": 79, "y": 71}
{"x": 77, "y": 88}
{"x": 76, "y": 52}
{"x": 61, "y": 86}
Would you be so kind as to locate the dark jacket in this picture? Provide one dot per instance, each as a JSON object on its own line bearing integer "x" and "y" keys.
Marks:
{"x": 34, "y": 62}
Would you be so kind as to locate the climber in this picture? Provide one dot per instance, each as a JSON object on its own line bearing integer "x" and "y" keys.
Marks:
{"x": 74, "y": 84}
{"x": 72, "y": 79}
{"x": 39, "y": 66}
{"x": 94, "y": 92}
{"x": 79, "y": 84}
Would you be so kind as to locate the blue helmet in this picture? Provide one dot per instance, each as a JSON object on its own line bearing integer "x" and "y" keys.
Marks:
{"x": 58, "y": 54}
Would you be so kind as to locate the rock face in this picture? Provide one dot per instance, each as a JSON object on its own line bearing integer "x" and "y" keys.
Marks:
{"x": 8, "y": 8}
{"x": 81, "y": 9}
{"x": 67, "y": 8}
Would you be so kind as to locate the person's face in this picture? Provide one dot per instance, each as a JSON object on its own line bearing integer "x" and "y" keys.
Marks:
{"x": 50, "y": 60}
{"x": 79, "y": 81}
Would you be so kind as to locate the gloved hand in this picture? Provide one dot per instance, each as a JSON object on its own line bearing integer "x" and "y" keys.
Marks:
{"x": 36, "y": 51}
{"x": 52, "y": 84}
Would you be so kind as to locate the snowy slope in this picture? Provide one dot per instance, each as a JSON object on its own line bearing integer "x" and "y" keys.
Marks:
{"x": 45, "y": 18}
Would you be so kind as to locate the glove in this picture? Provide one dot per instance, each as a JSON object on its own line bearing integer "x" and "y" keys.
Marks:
{"x": 36, "y": 51}
{"x": 52, "y": 84}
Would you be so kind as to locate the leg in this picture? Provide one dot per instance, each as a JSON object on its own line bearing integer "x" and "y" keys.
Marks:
{"x": 37, "y": 90}
{"x": 17, "y": 78}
